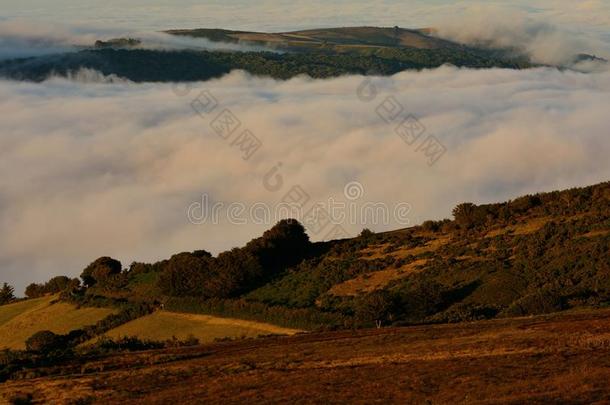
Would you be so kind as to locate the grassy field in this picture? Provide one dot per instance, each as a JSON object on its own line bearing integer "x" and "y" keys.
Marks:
{"x": 21, "y": 320}
{"x": 8, "y": 312}
{"x": 346, "y": 38}
{"x": 561, "y": 358}
{"x": 164, "y": 325}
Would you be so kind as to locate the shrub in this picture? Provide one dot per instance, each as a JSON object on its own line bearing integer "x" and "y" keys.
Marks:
{"x": 366, "y": 234}
{"x": 376, "y": 307}
{"x": 464, "y": 215}
{"x": 107, "y": 345}
{"x": 22, "y": 398}
{"x": 44, "y": 342}
{"x": 131, "y": 343}
{"x": 540, "y": 302}
{"x": 432, "y": 226}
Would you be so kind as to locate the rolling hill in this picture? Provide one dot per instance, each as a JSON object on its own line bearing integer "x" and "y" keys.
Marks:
{"x": 317, "y": 53}
{"x": 338, "y": 39}
{"x": 534, "y": 255}
{"x": 21, "y": 320}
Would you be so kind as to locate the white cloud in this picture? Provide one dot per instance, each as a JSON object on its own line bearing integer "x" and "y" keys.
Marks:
{"x": 511, "y": 27}
{"x": 92, "y": 169}
{"x": 21, "y": 38}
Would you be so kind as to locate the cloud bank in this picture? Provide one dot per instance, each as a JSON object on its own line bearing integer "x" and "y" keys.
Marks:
{"x": 551, "y": 31}
{"x": 503, "y": 27}
{"x": 92, "y": 169}
{"x": 25, "y": 38}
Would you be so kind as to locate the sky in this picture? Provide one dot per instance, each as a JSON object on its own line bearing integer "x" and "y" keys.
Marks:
{"x": 96, "y": 165}
{"x": 588, "y": 15}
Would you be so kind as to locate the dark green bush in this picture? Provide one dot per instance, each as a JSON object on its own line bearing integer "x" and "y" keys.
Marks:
{"x": 44, "y": 342}
{"x": 100, "y": 270}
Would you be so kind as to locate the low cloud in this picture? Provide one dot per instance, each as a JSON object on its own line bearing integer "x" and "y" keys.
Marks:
{"x": 514, "y": 28}
{"x": 163, "y": 41}
{"x": 97, "y": 166}
{"x": 24, "y": 38}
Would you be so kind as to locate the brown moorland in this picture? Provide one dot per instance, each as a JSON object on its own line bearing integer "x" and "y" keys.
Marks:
{"x": 560, "y": 358}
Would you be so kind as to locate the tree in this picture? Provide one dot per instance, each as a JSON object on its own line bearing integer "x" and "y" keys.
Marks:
{"x": 367, "y": 234}
{"x": 378, "y": 307}
{"x": 100, "y": 270}
{"x": 284, "y": 245}
{"x": 185, "y": 274}
{"x": 7, "y": 294}
{"x": 464, "y": 215}
{"x": 431, "y": 226}
{"x": 57, "y": 284}
{"x": 236, "y": 271}
{"x": 53, "y": 286}
{"x": 35, "y": 290}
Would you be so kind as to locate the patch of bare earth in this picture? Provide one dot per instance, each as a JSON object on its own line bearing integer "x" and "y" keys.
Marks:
{"x": 376, "y": 280}
{"x": 379, "y": 251}
{"x": 524, "y": 228}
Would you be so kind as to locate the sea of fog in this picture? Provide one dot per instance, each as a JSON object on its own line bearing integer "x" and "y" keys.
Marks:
{"x": 96, "y": 165}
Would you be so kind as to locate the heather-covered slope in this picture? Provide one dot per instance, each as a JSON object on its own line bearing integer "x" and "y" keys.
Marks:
{"x": 536, "y": 254}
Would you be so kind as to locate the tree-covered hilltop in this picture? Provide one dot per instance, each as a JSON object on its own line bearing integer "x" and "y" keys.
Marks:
{"x": 318, "y": 53}
{"x": 141, "y": 65}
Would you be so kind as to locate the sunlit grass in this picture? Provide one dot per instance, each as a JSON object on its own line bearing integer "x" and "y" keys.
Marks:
{"x": 21, "y": 320}
{"x": 164, "y": 325}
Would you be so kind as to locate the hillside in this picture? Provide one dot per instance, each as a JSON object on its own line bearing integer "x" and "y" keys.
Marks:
{"x": 338, "y": 39}
{"x": 536, "y": 254}
{"x": 562, "y": 358}
{"x": 317, "y": 53}
{"x": 21, "y": 320}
